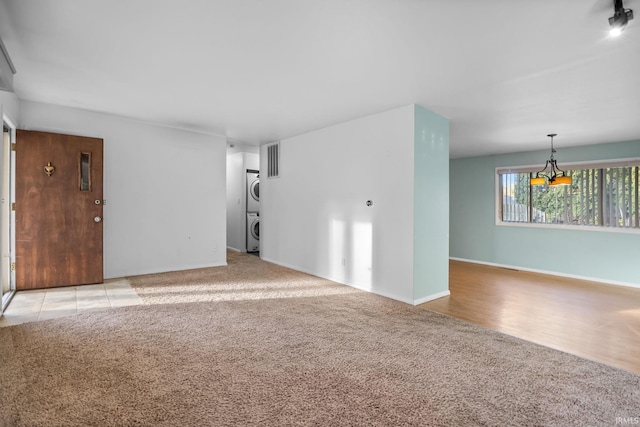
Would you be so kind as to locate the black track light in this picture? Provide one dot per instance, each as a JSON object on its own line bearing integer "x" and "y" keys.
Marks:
{"x": 620, "y": 18}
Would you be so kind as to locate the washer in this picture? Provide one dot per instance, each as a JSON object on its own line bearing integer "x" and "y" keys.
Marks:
{"x": 253, "y": 232}
{"x": 253, "y": 191}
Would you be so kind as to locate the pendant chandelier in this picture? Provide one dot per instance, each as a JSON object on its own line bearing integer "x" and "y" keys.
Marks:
{"x": 551, "y": 173}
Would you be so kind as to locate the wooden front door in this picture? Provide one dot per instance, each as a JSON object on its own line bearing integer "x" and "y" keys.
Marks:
{"x": 58, "y": 210}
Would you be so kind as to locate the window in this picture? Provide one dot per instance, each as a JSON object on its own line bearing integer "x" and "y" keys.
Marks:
{"x": 85, "y": 171}
{"x": 601, "y": 195}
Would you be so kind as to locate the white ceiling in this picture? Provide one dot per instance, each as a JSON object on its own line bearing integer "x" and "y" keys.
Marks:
{"x": 505, "y": 72}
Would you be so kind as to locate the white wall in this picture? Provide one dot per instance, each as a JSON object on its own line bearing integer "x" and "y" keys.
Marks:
{"x": 9, "y": 106}
{"x": 252, "y": 161}
{"x": 165, "y": 190}
{"x": 314, "y": 216}
{"x": 240, "y": 147}
{"x": 237, "y": 165}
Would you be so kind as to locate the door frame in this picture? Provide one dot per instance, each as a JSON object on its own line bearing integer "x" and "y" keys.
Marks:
{"x": 7, "y": 232}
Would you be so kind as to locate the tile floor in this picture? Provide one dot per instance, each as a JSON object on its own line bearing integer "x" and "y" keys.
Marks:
{"x": 43, "y": 304}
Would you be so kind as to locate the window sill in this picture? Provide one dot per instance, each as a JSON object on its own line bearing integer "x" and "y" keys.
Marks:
{"x": 570, "y": 227}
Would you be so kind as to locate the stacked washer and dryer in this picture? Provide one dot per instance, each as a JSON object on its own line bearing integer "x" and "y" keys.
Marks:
{"x": 253, "y": 211}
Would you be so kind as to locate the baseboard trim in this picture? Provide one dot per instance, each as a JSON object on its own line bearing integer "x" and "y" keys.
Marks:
{"x": 284, "y": 264}
{"x": 153, "y": 271}
{"x": 341, "y": 282}
{"x": 382, "y": 294}
{"x": 550, "y": 273}
{"x": 431, "y": 297}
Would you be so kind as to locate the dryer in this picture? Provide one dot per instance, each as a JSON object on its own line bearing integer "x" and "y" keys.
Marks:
{"x": 253, "y": 232}
{"x": 253, "y": 191}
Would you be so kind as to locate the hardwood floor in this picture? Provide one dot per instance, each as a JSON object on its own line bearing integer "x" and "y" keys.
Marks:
{"x": 589, "y": 319}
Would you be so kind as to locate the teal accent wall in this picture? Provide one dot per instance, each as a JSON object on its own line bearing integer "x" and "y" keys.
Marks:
{"x": 431, "y": 204}
{"x": 600, "y": 255}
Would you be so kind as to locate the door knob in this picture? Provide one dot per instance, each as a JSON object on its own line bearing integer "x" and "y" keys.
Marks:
{"x": 97, "y": 219}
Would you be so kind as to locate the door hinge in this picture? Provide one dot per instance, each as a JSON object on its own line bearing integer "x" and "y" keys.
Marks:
{"x": 13, "y": 206}
{"x": 13, "y": 266}
{"x": 13, "y": 146}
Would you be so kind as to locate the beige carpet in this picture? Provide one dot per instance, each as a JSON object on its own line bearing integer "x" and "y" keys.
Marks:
{"x": 264, "y": 345}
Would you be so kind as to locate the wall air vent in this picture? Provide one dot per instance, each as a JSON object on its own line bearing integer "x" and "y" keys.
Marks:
{"x": 273, "y": 160}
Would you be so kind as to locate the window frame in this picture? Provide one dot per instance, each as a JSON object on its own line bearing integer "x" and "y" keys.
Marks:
{"x": 596, "y": 164}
